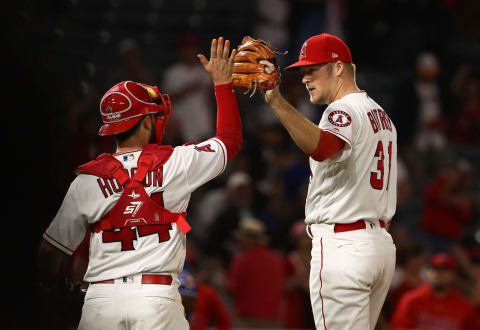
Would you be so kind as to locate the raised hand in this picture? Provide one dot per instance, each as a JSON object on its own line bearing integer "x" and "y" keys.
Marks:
{"x": 220, "y": 65}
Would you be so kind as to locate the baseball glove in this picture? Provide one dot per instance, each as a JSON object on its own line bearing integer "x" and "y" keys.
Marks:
{"x": 248, "y": 72}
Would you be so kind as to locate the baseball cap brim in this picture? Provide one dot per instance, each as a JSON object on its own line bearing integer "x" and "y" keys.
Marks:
{"x": 299, "y": 64}
{"x": 118, "y": 127}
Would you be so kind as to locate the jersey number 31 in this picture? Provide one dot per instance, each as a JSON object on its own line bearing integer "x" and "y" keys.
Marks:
{"x": 377, "y": 177}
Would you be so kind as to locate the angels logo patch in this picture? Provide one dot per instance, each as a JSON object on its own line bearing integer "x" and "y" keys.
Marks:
{"x": 339, "y": 118}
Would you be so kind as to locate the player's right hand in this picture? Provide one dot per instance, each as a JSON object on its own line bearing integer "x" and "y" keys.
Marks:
{"x": 220, "y": 65}
{"x": 273, "y": 95}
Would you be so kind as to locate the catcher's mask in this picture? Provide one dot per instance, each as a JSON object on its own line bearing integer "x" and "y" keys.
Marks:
{"x": 127, "y": 102}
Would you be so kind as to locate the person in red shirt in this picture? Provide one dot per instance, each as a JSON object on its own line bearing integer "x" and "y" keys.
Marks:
{"x": 298, "y": 313}
{"x": 437, "y": 304}
{"x": 203, "y": 306}
{"x": 255, "y": 279}
{"x": 210, "y": 312}
{"x": 448, "y": 207}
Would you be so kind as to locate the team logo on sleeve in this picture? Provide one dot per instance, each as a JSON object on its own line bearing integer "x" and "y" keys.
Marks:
{"x": 206, "y": 148}
{"x": 339, "y": 118}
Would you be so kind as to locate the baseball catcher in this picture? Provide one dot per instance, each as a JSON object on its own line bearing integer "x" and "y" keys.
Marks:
{"x": 249, "y": 66}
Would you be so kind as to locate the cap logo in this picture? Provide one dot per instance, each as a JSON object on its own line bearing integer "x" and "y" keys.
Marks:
{"x": 108, "y": 109}
{"x": 113, "y": 116}
{"x": 334, "y": 55}
{"x": 303, "y": 51}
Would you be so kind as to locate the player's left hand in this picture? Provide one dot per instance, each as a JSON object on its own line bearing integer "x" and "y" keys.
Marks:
{"x": 220, "y": 65}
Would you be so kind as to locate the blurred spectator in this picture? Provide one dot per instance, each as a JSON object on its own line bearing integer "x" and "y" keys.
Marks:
{"x": 214, "y": 201}
{"x": 210, "y": 311}
{"x": 421, "y": 107}
{"x": 85, "y": 120}
{"x": 430, "y": 132}
{"x": 203, "y": 306}
{"x": 465, "y": 129}
{"x": 404, "y": 185}
{"x": 448, "y": 207}
{"x": 188, "y": 290}
{"x": 409, "y": 274}
{"x": 298, "y": 310}
{"x": 467, "y": 255}
{"x": 239, "y": 203}
{"x": 255, "y": 279}
{"x": 271, "y": 24}
{"x": 436, "y": 305}
{"x": 476, "y": 300}
{"x": 131, "y": 65}
{"x": 189, "y": 87}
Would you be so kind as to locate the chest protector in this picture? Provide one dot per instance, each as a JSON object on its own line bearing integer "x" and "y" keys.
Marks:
{"x": 135, "y": 207}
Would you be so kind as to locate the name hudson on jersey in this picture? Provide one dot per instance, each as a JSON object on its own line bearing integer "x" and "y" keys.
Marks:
{"x": 111, "y": 186}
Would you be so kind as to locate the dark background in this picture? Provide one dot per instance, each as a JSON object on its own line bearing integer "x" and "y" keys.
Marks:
{"x": 50, "y": 47}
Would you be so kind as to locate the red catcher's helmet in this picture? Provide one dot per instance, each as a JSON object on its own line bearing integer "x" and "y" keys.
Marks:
{"x": 127, "y": 102}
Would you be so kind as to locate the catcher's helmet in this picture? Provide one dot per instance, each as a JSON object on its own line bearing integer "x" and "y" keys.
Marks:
{"x": 127, "y": 102}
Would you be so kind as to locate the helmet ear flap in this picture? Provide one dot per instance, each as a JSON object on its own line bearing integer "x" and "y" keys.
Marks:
{"x": 160, "y": 124}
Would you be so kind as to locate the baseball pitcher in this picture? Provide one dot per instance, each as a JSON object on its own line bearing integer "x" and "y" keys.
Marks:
{"x": 352, "y": 191}
{"x": 134, "y": 203}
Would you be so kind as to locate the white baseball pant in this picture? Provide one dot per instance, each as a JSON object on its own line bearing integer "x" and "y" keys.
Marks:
{"x": 129, "y": 304}
{"x": 350, "y": 275}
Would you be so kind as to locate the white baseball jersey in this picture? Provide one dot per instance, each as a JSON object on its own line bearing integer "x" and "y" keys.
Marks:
{"x": 89, "y": 198}
{"x": 360, "y": 181}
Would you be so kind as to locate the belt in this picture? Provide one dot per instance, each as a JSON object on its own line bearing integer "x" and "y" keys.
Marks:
{"x": 360, "y": 224}
{"x": 146, "y": 279}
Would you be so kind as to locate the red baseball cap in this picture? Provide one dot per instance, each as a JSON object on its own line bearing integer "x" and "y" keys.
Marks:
{"x": 320, "y": 49}
{"x": 443, "y": 260}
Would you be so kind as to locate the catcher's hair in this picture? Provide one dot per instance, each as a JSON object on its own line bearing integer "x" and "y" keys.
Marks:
{"x": 124, "y": 136}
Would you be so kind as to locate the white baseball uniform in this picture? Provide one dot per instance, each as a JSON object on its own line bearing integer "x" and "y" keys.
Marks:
{"x": 90, "y": 198}
{"x": 351, "y": 270}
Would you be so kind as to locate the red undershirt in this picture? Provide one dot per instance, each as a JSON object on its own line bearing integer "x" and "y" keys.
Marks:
{"x": 229, "y": 124}
{"x": 328, "y": 145}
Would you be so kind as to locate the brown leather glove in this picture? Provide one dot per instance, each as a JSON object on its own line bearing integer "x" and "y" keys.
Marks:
{"x": 248, "y": 72}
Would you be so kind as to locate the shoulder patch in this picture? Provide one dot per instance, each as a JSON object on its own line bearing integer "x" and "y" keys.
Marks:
{"x": 339, "y": 118}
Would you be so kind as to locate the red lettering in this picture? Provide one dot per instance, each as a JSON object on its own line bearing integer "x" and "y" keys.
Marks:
{"x": 375, "y": 116}
{"x": 381, "y": 115}
{"x": 376, "y": 181}
{"x": 133, "y": 170}
{"x": 389, "y": 123}
{"x": 386, "y": 124}
{"x": 147, "y": 182}
{"x": 105, "y": 186}
{"x": 377, "y": 177}
{"x": 124, "y": 235}
{"x": 111, "y": 185}
{"x": 157, "y": 179}
{"x": 373, "y": 122}
{"x": 161, "y": 230}
{"x": 115, "y": 185}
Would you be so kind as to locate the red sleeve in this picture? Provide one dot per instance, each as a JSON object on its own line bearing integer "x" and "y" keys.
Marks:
{"x": 229, "y": 123}
{"x": 404, "y": 316}
{"x": 328, "y": 145}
